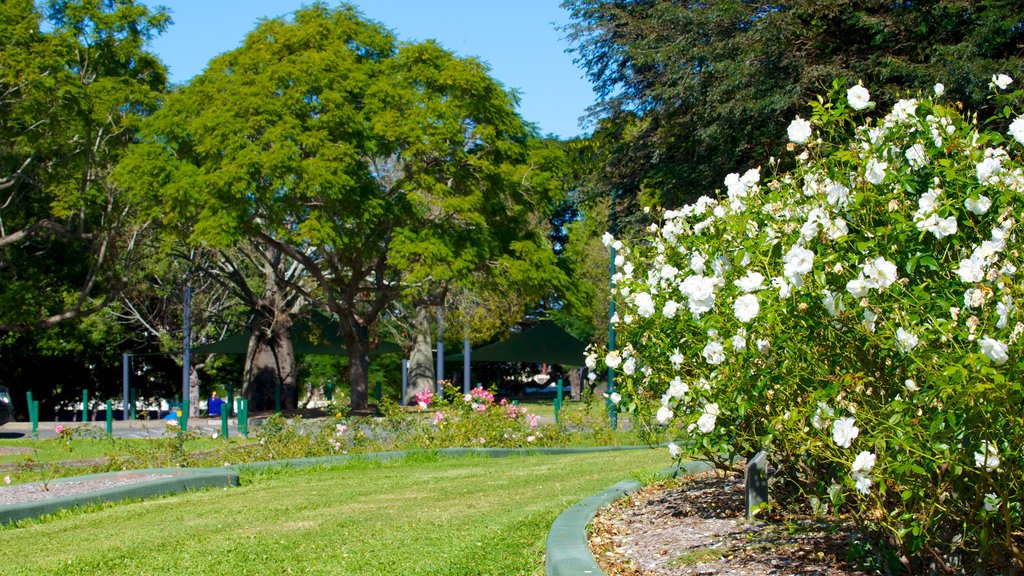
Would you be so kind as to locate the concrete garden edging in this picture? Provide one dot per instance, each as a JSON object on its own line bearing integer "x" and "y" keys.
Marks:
{"x": 165, "y": 481}
{"x": 566, "y": 551}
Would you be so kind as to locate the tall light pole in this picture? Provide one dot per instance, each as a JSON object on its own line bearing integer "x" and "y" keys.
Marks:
{"x": 612, "y": 416}
{"x": 186, "y": 367}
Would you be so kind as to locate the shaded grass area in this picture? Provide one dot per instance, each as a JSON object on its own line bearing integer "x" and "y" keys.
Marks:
{"x": 421, "y": 515}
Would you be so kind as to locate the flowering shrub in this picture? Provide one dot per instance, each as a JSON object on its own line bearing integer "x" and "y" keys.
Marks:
{"x": 476, "y": 419}
{"x": 857, "y": 317}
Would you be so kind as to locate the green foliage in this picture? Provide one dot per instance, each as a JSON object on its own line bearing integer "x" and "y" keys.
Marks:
{"x": 858, "y": 318}
{"x": 689, "y": 90}
{"x": 382, "y": 169}
{"x": 76, "y": 80}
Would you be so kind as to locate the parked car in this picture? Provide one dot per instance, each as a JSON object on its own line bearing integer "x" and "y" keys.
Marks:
{"x": 6, "y": 406}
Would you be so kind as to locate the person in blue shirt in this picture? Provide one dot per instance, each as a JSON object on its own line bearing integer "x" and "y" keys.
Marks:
{"x": 213, "y": 408}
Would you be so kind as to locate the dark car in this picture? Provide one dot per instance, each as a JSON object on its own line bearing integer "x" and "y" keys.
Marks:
{"x": 6, "y": 406}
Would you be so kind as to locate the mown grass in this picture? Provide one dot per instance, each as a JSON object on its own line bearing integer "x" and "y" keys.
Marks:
{"x": 423, "y": 515}
{"x": 55, "y": 450}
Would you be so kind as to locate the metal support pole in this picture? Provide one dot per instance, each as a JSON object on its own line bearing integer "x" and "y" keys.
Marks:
{"x": 110, "y": 419}
{"x": 85, "y": 405}
{"x": 186, "y": 362}
{"x": 224, "y": 420}
{"x": 124, "y": 389}
{"x": 465, "y": 365}
{"x": 405, "y": 381}
{"x": 440, "y": 351}
{"x": 379, "y": 392}
{"x": 558, "y": 404}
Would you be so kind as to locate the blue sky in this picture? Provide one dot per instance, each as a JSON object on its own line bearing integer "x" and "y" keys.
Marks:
{"x": 519, "y": 41}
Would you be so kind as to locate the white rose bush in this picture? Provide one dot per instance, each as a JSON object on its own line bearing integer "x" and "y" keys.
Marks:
{"x": 858, "y": 317}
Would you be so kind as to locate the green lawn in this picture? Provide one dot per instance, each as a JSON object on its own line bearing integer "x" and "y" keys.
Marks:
{"x": 53, "y": 450}
{"x": 419, "y": 516}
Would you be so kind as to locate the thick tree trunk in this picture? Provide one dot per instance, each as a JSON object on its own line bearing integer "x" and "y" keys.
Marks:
{"x": 357, "y": 341}
{"x": 421, "y": 362}
{"x": 270, "y": 363}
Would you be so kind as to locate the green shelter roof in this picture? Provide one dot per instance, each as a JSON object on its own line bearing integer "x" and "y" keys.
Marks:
{"x": 543, "y": 342}
{"x": 318, "y": 335}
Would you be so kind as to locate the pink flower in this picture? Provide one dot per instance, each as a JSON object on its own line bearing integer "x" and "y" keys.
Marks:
{"x": 424, "y": 398}
{"x": 438, "y": 417}
{"x": 533, "y": 420}
{"x": 59, "y": 429}
{"x": 340, "y": 429}
{"x": 531, "y": 438}
{"x": 7, "y": 479}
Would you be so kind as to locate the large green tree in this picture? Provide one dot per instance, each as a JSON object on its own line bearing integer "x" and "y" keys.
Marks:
{"x": 377, "y": 166}
{"x": 690, "y": 91}
{"x": 75, "y": 79}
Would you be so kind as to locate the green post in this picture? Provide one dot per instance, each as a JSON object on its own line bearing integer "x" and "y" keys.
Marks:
{"x": 329, "y": 392}
{"x": 33, "y": 413}
{"x": 85, "y": 405}
{"x": 379, "y": 391}
{"x": 231, "y": 400}
{"x": 134, "y": 393}
{"x": 110, "y": 419}
{"x": 243, "y": 417}
{"x": 184, "y": 415}
{"x": 558, "y": 404}
{"x": 224, "y": 420}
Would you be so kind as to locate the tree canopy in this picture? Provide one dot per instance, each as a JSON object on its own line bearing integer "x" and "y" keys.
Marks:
{"x": 690, "y": 91}
{"x": 382, "y": 168}
{"x": 72, "y": 92}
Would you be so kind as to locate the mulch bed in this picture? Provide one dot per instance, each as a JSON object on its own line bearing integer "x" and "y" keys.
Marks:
{"x": 696, "y": 526}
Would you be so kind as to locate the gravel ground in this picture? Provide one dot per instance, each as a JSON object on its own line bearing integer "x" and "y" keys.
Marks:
{"x": 695, "y": 526}
{"x": 33, "y": 491}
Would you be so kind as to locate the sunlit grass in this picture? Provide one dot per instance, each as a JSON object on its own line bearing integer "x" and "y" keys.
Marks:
{"x": 423, "y": 515}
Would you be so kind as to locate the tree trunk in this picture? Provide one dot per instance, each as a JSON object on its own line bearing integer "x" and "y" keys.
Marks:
{"x": 270, "y": 363}
{"x": 193, "y": 390}
{"x": 421, "y": 362}
{"x": 357, "y": 341}
{"x": 574, "y": 376}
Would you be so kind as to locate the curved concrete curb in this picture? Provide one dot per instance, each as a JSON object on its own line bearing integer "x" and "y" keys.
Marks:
{"x": 567, "y": 553}
{"x": 180, "y": 480}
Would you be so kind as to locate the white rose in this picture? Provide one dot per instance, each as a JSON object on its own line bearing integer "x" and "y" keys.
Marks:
{"x": 858, "y": 97}
{"x": 673, "y": 450}
{"x": 746, "y": 308}
{"x": 1017, "y": 129}
{"x": 714, "y": 352}
{"x": 843, "y": 432}
{"x": 644, "y": 304}
{"x": 663, "y": 415}
{"x": 875, "y": 171}
{"x": 799, "y": 130}
{"x": 979, "y": 205}
{"x": 612, "y": 359}
{"x": 751, "y": 282}
{"x": 616, "y": 397}
{"x": 1001, "y": 81}
{"x": 940, "y": 89}
{"x": 905, "y": 341}
{"x": 996, "y": 351}
{"x": 864, "y": 463}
